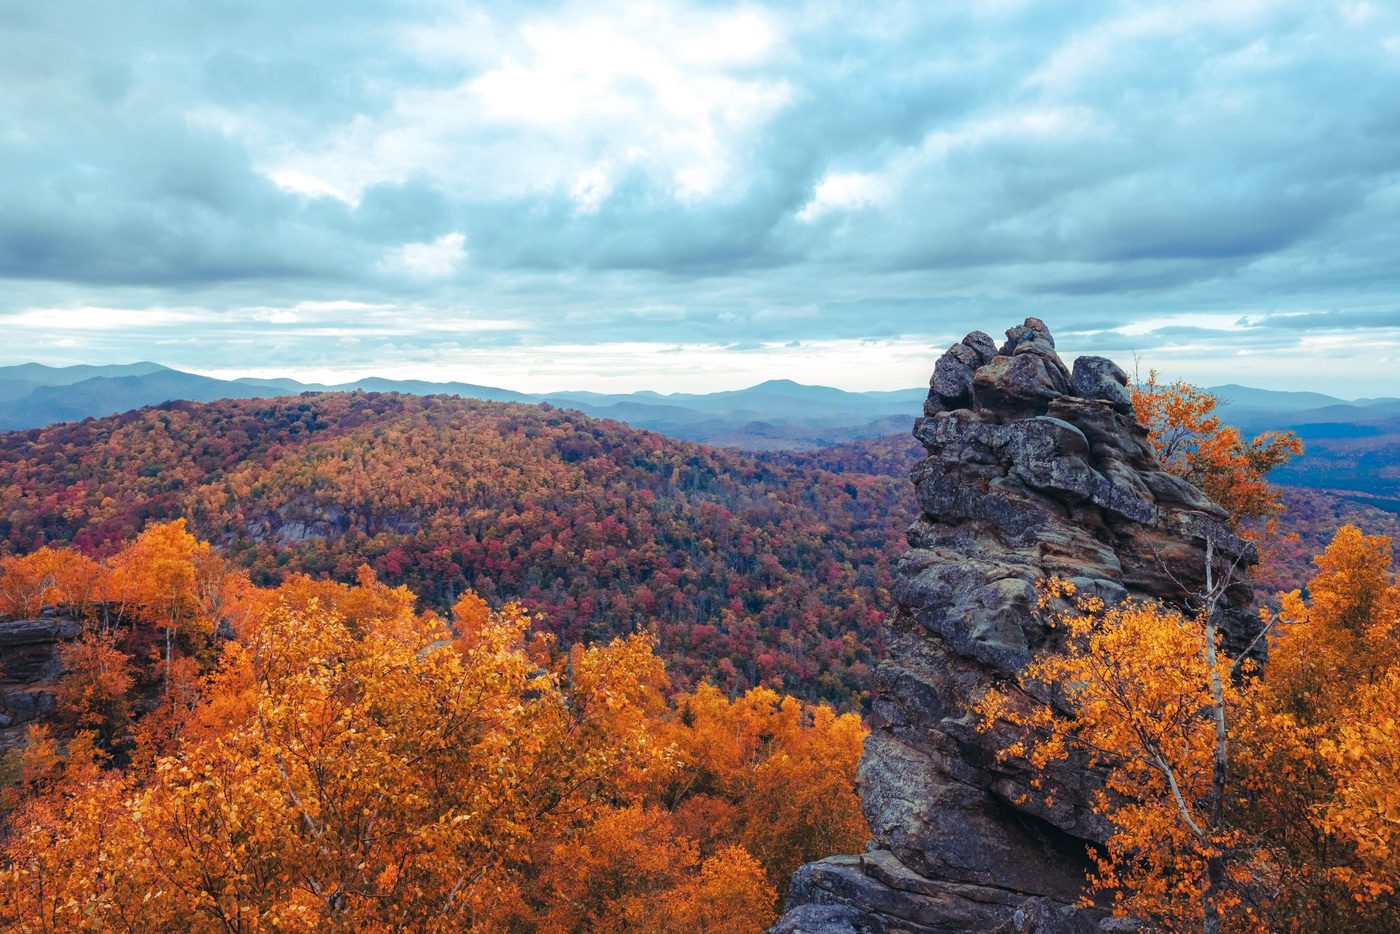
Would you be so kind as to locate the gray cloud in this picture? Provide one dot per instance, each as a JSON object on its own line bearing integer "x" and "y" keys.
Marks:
{"x": 694, "y": 174}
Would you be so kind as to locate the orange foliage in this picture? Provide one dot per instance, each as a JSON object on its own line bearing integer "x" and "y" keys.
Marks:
{"x": 1319, "y": 744}
{"x": 769, "y": 773}
{"x": 1271, "y": 798}
{"x": 1192, "y": 442}
{"x": 168, "y": 578}
{"x": 1142, "y": 689}
{"x": 47, "y": 577}
{"x": 95, "y": 692}
{"x": 1364, "y": 757}
{"x": 343, "y": 761}
{"x": 630, "y": 871}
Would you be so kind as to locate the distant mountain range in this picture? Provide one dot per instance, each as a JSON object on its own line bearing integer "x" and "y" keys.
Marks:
{"x": 778, "y": 414}
{"x": 1352, "y": 444}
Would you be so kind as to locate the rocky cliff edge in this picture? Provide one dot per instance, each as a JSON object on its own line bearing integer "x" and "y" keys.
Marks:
{"x": 1034, "y": 470}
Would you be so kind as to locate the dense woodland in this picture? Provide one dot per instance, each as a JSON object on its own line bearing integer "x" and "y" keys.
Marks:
{"x": 379, "y": 662}
{"x": 320, "y": 756}
{"x": 749, "y": 572}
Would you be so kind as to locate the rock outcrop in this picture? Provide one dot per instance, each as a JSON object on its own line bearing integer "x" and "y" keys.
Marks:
{"x": 29, "y": 671}
{"x": 1034, "y": 470}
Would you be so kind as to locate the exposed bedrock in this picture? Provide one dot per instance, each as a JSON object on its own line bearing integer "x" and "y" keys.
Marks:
{"x": 1034, "y": 470}
{"x": 30, "y": 668}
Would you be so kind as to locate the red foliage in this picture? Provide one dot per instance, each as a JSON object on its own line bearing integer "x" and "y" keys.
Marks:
{"x": 598, "y": 529}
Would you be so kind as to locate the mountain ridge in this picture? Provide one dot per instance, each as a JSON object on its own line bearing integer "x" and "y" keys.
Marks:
{"x": 775, "y": 414}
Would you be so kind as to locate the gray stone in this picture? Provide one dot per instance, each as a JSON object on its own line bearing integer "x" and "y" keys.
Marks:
{"x": 29, "y": 648}
{"x": 827, "y": 919}
{"x": 1100, "y": 378}
{"x": 1027, "y": 478}
{"x": 1032, "y": 329}
{"x": 1025, "y": 382}
{"x": 983, "y": 344}
{"x": 952, "y": 377}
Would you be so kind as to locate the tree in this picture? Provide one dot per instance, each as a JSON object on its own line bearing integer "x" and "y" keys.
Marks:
{"x": 730, "y": 896}
{"x": 47, "y": 577}
{"x": 1364, "y": 756}
{"x": 1317, "y": 748}
{"x": 1237, "y": 799}
{"x": 770, "y": 774}
{"x": 344, "y": 761}
{"x": 1192, "y": 442}
{"x": 1142, "y": 694}
{"x": 96, "y": 687}
{"x": 168, "y": 578}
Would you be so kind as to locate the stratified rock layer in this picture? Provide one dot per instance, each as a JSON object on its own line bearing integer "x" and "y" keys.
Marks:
{"x": 30, "y": 667}
{"x": 1034, "y": 471}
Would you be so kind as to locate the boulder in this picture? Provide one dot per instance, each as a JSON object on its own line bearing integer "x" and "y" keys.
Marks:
{"x": 1100, "y": 378}
{"x": 30, "y": 666}
{"x": 951, "y": 384}
{"x": 1026, "y": 382}
{"x": 952, "y": 377}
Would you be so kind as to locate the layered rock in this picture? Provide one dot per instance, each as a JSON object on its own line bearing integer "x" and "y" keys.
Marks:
{"x": 29, "y": 671}
{"x": 1034, "y": 470}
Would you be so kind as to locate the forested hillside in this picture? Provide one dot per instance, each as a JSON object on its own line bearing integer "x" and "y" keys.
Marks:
{"x": 215, "y": 756}
{"x": 768, "y": 569}
{"x": 749, "y": 571}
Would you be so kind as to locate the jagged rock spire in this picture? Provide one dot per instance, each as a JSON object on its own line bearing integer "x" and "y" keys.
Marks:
{"x": 1034, "y": 470}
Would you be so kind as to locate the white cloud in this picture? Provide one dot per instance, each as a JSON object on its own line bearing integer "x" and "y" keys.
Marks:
{"x": 436, "y": 260}
{"x": 97, "y": 318}
{"x": 1216, "y": 321}
{"x": 565, "y": 103}
{"x": 845, "y": 190}
{"x": 1114, "y": 41}
{"x": 308, "y": 185}
{"x": 910, "y": 167}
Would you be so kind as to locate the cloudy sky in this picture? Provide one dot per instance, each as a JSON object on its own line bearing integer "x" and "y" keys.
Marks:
{"x": 691, "y": 195}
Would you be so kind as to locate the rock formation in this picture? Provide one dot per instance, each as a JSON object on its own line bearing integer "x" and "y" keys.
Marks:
{"x": 1034, "y": 470}
{"x": 29, "y": 671}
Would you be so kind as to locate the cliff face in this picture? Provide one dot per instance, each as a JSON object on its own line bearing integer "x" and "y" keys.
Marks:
{"x": 29, "y": 671}
{"x": 1034, "y": 470}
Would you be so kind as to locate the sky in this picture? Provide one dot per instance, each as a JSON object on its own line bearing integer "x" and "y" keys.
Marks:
{"x": 695, "y": 196}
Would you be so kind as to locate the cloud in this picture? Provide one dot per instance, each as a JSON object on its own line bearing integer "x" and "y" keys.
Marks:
{"x": 688, "y": 173}
{"x": 566, "y": 105}
{"x": 436, "y": 260}
{"x": 844, "y": 190}
{"x": 309, "y": 185}
{"x": 98, "y": 318}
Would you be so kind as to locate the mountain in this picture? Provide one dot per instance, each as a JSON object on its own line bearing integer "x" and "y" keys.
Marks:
{"x": 1248, "y": 397}
{"x": 56, "y": 403}
{"x": 418, "y": 387}
{"x": 777, "y": 414}
{"x": 40, "y": 375}
{"x": 1351, "y": 445}
{"x": 748, "y": 570}
{"x": 18, "y": 381}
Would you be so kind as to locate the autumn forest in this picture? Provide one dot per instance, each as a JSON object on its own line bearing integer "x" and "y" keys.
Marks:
{"x": 379, "y": 662}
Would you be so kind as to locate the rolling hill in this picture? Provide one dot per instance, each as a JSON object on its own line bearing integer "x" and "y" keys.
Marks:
{"x": 749, "y": 571}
